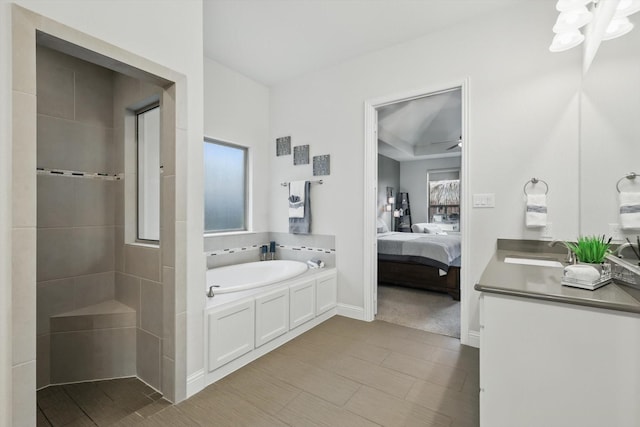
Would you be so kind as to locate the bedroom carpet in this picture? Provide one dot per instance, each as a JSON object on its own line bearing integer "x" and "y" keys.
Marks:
{"x": 425, "y": 310}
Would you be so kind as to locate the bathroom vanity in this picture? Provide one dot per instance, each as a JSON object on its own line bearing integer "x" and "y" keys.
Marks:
{"x": 552, "y": 355}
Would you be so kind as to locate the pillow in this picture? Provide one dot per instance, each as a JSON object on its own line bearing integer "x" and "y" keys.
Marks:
{"x": 433, "y": 229}
{"x": 382, "y": 226}
{"x": 419, "y": 227}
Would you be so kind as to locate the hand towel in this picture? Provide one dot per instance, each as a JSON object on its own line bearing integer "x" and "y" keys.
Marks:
{"x": 536, "y": 215}
{"x": 296, "y": 199}
{"x": 629, "y": 210}
{"x": 302, "y": 225}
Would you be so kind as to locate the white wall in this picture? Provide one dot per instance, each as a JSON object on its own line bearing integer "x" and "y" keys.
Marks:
{"x": 236, "y": 109}
{"x": 413, "y": 180}
{"x": 170, "y": 34}
{"x": 523, "y": 122}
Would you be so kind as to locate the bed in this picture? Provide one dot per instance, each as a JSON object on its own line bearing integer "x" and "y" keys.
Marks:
{"x": 420, "y": 260}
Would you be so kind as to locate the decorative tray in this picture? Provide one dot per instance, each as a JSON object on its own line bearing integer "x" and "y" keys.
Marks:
{"x": 583, "y": 284}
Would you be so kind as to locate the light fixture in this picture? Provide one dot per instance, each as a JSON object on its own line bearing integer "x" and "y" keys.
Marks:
{"x": 396, "y": 213}
{"x": 387, "y": 208}
{"x": 572, "y": 20}
{"x": 566, "y": 5}
{"x": 566, "y": 40}
{"x": 627, "y": 7}
{"x": 391, "y": 200}
{"x": 618, "y": 26}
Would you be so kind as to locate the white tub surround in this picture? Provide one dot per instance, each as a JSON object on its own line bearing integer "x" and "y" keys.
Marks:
{"x": 244, "y": 325}
{"x": 240, "y": 277}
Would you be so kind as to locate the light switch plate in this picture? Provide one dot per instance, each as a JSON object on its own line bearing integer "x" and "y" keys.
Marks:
{"x": 485, "y": 200}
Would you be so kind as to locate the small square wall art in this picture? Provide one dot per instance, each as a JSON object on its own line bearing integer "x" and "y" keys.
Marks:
{"x": 301, "y": 155}
{"x": 321, "y": 165}
{"x": 283, "y": 146}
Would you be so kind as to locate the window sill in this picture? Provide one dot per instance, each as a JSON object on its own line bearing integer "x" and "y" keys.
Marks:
{"x": 229, "y": 233}
{"x": 145, "y": 245}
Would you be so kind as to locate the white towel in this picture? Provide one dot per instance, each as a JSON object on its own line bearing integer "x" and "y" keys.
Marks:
{"x": 296, "y": 199}
{"x": 629, "y": 210}
{"x": 536, "y": 215}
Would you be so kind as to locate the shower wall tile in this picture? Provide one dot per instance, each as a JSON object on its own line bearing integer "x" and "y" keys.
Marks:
{"x": 148, "y": 358}
{"x": 74, "y": 202}
{"x": 55, "y": 254}
{"x": 23, "y": 58}
{"x": 95, "y": 354}
{"x": 168, "y": 378}
{"x": 142, "y": 261}
{"x": 94, "y": 96}
{"x": 43, "y": 360}
{"x": 215, "y": 261}
{"x": 67, "y": 252}
{"x": 92, "y": 250}
{"x": 118, "y": 250}
{"x": 53, "y": 297}
{"x": 169, "y": 311}
{"x": 127, "y": 291}
{"x": 94, "y": 202}
{"x": 308, "y": 240}
{"x": 150, "y": 307}
{"x": 55, "y": 90}
{"x": 23, "y": 161}
{"x": 118, "y": 203}
{"x": 168, "y": 132}
{"x": 23, "y": 313}
{"x": 214, "y": 243}
{"x": 71, "y": 145}
{"x": 168, "y": 246}
{"x": 24, "y": 394}
{"x": 93, "y": 288}
{"x": 56, "y": 199}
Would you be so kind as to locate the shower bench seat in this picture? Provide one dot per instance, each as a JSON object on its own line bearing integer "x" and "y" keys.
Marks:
{"x": 93, "y": 342}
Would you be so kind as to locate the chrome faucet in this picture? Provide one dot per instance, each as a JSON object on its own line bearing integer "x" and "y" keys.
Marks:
{"x": 623, "y": 246}
{"x": 571, "y": 259}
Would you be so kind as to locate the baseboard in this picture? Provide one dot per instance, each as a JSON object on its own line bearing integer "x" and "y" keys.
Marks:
{"x": 473, "y": 339}
{"x": 351, "y": 311}
{"x": 195, "y": 383}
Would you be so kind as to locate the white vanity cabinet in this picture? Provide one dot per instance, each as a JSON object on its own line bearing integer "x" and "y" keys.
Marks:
{"x": 230, "y": 332}
{"x": 556, "y": 365}
{"x": 272, "y": 315}
{"x": 303, "y": 303}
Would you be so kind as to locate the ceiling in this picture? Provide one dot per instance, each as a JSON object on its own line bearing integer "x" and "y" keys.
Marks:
{"x": 272, "y": 41}
{"x": 427, "y": 127}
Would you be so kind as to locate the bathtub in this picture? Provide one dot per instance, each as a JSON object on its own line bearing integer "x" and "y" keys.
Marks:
{"x": 240, "y": 277}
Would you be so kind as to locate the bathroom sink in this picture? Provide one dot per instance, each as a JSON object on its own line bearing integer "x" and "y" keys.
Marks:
{"x": 538, "y": 261}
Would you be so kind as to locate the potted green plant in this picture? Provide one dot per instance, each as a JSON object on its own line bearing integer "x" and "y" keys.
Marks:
{"x": 590, "y": 249}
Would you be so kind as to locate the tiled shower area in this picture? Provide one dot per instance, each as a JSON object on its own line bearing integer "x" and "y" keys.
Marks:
{"x": 99, "y": 300}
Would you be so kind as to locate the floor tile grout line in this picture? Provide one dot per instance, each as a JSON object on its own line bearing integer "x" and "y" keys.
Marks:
{"x": 78, "y": 405}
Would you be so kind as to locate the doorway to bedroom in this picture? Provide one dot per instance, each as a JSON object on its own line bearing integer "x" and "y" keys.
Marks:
{"x": 418, "y": 211}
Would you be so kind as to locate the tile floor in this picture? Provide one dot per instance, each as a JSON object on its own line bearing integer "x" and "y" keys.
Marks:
{"x": 342, "y": 373}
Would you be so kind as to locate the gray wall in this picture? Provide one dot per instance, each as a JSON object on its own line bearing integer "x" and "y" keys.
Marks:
{"x": 413, "y": 180}
{"x": 388, "y": 176}
{"x": 75, "y": 224}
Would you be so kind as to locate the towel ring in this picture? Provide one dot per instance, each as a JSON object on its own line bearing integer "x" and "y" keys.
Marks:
{"x": 534, "y": 181}
{"x": 630, "y": 176}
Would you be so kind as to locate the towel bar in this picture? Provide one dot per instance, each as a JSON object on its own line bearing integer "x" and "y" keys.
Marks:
{"x": 319, "y": 181}
{"x": 534, "y": 181}
{"x": 630, "y": 176}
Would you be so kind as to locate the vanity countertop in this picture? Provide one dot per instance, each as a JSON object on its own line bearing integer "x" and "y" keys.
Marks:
{"x": 543, "y": 283}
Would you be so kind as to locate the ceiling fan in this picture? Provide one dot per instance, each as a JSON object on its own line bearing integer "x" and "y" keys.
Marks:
{"x": 457, "y": 143}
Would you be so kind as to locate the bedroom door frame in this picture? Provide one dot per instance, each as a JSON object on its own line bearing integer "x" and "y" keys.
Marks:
{"x": 370, "y": 192}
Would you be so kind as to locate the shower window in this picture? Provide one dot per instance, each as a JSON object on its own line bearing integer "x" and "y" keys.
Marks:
{"x": 225, "y": 187}
{"x": 148, "y": 147}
